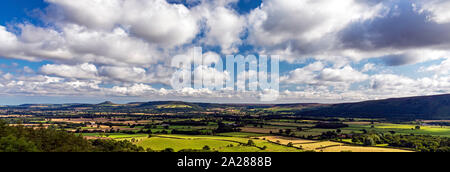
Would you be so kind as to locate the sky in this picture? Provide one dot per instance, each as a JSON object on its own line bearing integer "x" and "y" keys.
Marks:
{"x": 89, "y": 51}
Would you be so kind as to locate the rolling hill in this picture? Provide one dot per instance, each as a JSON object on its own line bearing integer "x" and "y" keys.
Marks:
{"x": 423, "y": 107}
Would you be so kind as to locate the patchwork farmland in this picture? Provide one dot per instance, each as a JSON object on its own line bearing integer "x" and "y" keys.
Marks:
{"x": 190, "y": 127}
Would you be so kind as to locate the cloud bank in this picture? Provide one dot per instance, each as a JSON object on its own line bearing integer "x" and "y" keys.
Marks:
{"x": 333, "y": 51}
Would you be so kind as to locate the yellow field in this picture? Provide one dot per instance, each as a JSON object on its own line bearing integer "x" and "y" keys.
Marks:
{"x": 327, "y": 146}
{"x": 259, "y": 130}
{"x": 361, "y": 149}
{"x": 172, "y": 106}
{"x": 320, "y": 146}
{"x": 286, "y": 140}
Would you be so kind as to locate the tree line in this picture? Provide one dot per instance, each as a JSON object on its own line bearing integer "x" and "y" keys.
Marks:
{"x": 24, "y": 139}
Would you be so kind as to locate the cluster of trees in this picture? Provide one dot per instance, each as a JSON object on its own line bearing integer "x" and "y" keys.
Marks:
{"x": 367, "y": 139}
{"x": 187, "y": 123}
{"x": 329, "y": 135}
{"x": 330, "y": 125}
{"x": 206, "y": 148}
{"x": 440, "y": 123}
{"x": 114, "y": 146}
{"x": 422, "y": 143}
{"x": 23, "y": 139}
{"x": 191, "y": 132}
{"x": 225, "y": 128}
{"x": 287, "y": 132}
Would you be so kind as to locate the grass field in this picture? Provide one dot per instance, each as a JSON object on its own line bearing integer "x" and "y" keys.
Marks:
{"x": 241, "y": 134}
{"x": 327, "y": 146}
{"x": 218, "y": 143}
{"x": 403, "y": 129}
{"x": 266, "y": 142}
{"x": 361, "y": 149}
{"x": 172, "y": 106}
{"x": 234, "y": 142}
{"x": 114, "y": 135}
{"x": 354, "y": 127}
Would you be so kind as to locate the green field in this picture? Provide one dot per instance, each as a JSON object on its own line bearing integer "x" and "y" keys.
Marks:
{"x": 114, "y": 135}
{"x": 241, "y": 134}
{"x": 217, "y": 143}
{"x": 169, "y": 106}
{"x": 403, "y": 129}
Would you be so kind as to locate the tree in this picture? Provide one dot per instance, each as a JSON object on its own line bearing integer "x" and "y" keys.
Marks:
{"x": 23, "y": 139}
{"x": 290, "y": 144}
{"x": 288, "y": 131}
{"x": 251, "y": 143}
{"x": 168, "y": 150}
{"x": 206, "y": 148}
{"x": 417, "y": 127}
{"x": 13, "y": 144}
{"x": 364, "y": 131}
{"x": 369, "y": 141}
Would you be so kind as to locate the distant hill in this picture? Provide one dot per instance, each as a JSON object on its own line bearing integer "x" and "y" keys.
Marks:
{"x": 424, "y": 107}
{"x": 164, "y": 107}
{"x": 107, "y": 103}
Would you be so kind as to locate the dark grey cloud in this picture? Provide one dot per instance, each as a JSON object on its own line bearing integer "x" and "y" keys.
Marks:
{"x": 402, "y": 27}
{"x": 370, "y": 2}
{"x": 397, "y": 60}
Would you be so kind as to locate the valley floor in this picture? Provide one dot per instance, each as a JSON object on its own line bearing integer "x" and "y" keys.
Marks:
{"x": 238, "y": 144}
